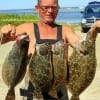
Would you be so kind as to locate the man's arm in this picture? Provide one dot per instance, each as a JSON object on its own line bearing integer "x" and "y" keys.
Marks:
{"x": 74, "y": 40}
{"x": 94, "y": 30}
{"x": 10, "y": 32}
{"x": 71, "y": 36}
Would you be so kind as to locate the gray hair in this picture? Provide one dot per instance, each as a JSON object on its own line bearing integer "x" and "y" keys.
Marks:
{"x": 39, "y": 1}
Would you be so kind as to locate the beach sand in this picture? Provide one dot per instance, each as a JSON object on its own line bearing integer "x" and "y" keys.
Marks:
{"x": 91, "y": 93}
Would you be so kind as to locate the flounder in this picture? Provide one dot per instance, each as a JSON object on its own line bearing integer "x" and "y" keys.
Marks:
{"x": 14, "y": 66}
{"x": 40, "y": 69}
{"x": 82, "y": 67}
{"x": 47, "y": 68}
{"x": 59, "y": 66}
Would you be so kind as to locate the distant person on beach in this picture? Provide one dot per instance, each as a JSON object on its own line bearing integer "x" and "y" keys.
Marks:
{"x": 48, "y": 31}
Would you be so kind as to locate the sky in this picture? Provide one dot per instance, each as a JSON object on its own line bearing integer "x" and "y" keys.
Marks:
{"x": 25, "y": 4}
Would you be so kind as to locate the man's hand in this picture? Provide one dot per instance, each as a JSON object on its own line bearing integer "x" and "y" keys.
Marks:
{"x": 7, "y": 33}
{"x": 94, "y": 30}
{"x": 96, "y": 26}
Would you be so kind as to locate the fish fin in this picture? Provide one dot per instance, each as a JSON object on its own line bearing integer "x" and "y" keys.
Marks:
{"x": 53, "y": 92}
{"x": 38, "y": 94}
{"x": 74, "y": 97}
{"x": 11, "y": 94}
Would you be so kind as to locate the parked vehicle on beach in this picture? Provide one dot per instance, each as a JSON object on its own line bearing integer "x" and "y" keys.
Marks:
{"x": 91, "y": 13}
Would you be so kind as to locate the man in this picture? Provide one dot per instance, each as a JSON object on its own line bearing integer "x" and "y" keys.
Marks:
{"x": 48, "y": 30}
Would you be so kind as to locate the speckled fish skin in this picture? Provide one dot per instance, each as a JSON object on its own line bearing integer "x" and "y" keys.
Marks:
{"x": 82, "y": 68}
{"x": 40, "y": 69}
{"x": 14, "y": 66}
{"x": 47, "y": 68}
{"x": 59, "y": 65}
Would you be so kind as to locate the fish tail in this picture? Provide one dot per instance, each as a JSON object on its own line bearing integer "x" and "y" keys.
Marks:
{"x": 10, "y": 95}
{"x": 37, "y": 94}
{"x": 74, "y": 97}
{"x": 52, "y": 92}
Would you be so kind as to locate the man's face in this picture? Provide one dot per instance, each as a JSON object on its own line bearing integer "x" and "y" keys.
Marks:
{"x": 47, "y": 10}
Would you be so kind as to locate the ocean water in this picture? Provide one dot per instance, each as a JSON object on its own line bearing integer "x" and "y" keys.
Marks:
{"x": 64, "y": 15}
{"x": 69, "y": 16}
